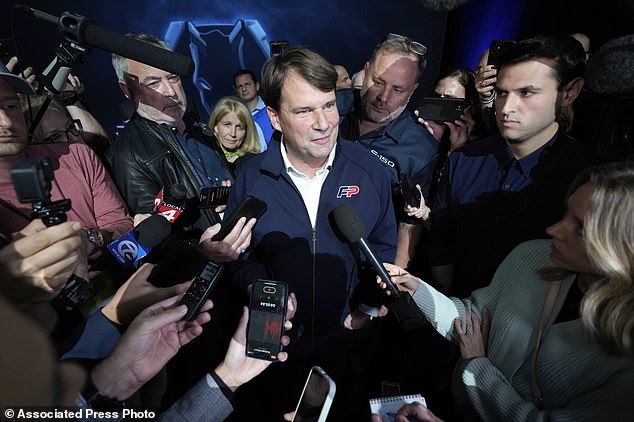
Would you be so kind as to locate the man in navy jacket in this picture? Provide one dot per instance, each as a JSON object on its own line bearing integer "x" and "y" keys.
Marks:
{"x": 303, "y": 179}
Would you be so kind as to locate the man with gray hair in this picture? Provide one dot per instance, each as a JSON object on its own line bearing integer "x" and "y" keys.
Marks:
{"x": 381, "y": 124}
{"x": 162, "y": 144}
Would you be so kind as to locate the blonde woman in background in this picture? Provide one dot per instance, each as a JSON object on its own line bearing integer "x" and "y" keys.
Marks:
{"x": 233, "y": 127}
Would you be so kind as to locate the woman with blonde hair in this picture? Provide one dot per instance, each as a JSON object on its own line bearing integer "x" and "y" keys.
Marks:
{"x": 234, "y": 128}
{"x": 551, "y": 337}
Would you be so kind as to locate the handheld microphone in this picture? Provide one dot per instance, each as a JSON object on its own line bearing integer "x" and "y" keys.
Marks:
{"x": 402, "y": 306}
{"x": 137, "y": 243}
{"x": 85, "y": 32}
{"x": 170, "y": 202}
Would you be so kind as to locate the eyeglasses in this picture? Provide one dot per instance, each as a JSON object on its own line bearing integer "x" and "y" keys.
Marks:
{"x": 414, "y": 46}
{"x": 74, "y": 128}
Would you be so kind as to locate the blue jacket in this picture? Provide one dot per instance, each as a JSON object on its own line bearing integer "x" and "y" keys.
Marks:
{"x": 319, "y": 266}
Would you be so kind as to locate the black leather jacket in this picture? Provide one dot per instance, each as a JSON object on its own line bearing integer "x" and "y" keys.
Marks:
{"x": 147, "y": 156}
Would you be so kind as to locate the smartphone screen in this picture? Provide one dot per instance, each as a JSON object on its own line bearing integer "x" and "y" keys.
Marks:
{"x": 267, "y": 312}
{"x": 213, "y": 196}
{"x": 314, "y": 403}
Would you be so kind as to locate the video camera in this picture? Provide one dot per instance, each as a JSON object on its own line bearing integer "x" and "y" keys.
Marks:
{"x": 32, "y": 181}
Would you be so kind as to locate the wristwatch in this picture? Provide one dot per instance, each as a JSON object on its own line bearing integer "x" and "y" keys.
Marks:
{"x": 95, "y": 237}
{"x": 98, "y": 401}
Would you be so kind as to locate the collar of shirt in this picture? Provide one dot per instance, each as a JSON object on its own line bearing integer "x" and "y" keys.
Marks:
{"x": 526, "y": 164}
{"x": 309, "y": 188}
{"x": 393, "y": 130}
{"x": 259, "y": 106}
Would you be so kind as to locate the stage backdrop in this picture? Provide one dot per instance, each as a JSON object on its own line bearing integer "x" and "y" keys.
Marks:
{"x": 223, "y": 36}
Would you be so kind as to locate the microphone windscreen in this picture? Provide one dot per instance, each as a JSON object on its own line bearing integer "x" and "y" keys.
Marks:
{"x": 349, "y": 222}
{"x": 178, "y": 191}
{"x": 442, "y": 5}
{"x": 139, "y": 51}
{"x": 152, "y": 231}
{"x": 609, "y": 70}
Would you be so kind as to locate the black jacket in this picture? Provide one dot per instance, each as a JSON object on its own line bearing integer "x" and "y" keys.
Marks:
{"x": 147, "y": 156}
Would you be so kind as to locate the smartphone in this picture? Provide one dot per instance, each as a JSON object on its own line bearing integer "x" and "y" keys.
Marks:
{"x": 7, "y": 50}
{"x": 184, "y": 261}
{"x": 497, "y": 49}
{"x": 317, "y": 395}
{"x": 390, "y": 388}
{"x": 213, "y": 196}
{"x": 441, "y": 109}
{"x": 407, "y": 190}
{"x": 277, "y": 47}
{"x": 267, "y": 312}
{"x": 250, "y": 207}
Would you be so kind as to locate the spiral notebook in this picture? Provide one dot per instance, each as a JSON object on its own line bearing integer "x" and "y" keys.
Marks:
{"x": 388, "y": 406}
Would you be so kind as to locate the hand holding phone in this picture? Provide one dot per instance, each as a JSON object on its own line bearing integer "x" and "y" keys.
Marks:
{"x": 250, "y": 207}
{"x": 497, "y": 49}
{"x": 408, "y": 191}
{"x": 199, "y": 290}
{"x": 441, "y": 109}
{"x": 267, "y": 314}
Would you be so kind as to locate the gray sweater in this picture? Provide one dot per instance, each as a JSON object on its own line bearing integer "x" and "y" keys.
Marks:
{"x": 578, "y": 381}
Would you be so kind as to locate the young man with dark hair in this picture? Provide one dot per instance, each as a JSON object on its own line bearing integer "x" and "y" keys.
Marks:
{"x": 506, "y": 189}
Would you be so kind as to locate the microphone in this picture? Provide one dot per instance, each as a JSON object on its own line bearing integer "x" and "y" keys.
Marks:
{"x": 85, "y": 32}
{"x": 137, "y": 243}
{"x": 170, "y": 202}
{"x": 402, "y": 306}
{"x": 442, "y": 5}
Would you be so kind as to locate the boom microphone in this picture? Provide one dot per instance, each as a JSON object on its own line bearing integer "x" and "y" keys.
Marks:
{"x": 442, "y": 5}
{"x": 86, "y": 33}
{"x": 402, "y": 306}
{"x": 137, "y": 243}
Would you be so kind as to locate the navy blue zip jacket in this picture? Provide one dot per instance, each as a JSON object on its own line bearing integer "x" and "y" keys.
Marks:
{"x": 318, "y": 265}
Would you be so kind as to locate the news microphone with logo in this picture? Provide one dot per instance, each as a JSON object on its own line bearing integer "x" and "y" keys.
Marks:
{"x": 401, "y": 304}
{"x": 137, "y": 243}
{"x": 170, "y": 202}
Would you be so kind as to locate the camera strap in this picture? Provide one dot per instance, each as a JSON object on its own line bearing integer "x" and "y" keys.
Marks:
{"x": 14, "y": 210}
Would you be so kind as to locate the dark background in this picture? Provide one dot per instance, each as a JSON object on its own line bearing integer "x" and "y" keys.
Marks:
{"x": 345, "y": 32}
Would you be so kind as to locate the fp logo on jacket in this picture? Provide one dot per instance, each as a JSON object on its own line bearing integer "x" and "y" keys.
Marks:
{"x": 347, "y": 191}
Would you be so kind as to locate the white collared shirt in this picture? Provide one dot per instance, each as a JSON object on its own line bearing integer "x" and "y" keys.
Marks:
{"x": 309, "y": 188}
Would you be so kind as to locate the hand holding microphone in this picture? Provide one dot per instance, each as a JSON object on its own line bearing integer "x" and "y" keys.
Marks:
{"x": 402, "y": 306}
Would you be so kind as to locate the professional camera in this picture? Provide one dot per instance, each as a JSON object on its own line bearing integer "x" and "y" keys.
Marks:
{"x": 32, "y": 181}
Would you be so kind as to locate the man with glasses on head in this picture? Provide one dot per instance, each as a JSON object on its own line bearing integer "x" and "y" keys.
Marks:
{"x": 380, "y": 123}
{"x": 162, "y": 144}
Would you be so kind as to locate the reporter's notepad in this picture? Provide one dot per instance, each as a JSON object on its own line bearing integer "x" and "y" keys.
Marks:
{"x": 392, "y": 404}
